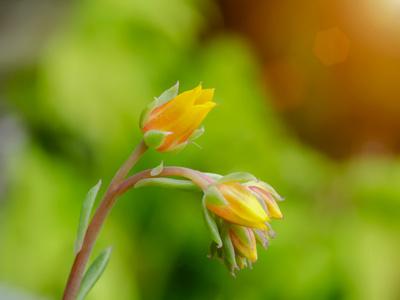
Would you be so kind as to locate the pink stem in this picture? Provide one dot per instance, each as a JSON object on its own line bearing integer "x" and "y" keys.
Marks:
{"x": 104, "y": 209}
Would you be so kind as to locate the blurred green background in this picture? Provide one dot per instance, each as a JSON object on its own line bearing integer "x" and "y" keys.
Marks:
{"x": 74, "y": 77}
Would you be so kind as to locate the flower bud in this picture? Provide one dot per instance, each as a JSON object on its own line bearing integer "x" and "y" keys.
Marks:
{"x": 235, "y": 203}
{"x": 244, "y": 242}
{"x": 170, "y": 122}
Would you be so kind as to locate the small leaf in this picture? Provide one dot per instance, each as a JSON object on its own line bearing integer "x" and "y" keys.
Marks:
{"x": 94, "y": 272}
{"x": 210, "y": 224}
{"x": 169, "y": 94}
{"x": 169, "y": 183}
{"x": 85, "y": 216}
{"x": 157, "y": 170}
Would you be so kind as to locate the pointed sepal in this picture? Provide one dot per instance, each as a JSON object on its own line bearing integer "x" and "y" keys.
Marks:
{"x": 176, "y": 149}
{"x": 214, "y": 197}
{"x": 155, "y": 138}
{"x": 146, "y": 113}
{"x": 196, "y": 134}
{"x": 228, "y": 250}
{"x": 211, "y": 225}
{"x": 236, "y": 177}
{"x": 261, "y": 237}
{"x": 169, "y": 94}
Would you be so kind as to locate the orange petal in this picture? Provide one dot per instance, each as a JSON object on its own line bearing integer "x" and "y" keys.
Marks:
{"x": 177, "y": 104}
{"x": 184, "y": 125}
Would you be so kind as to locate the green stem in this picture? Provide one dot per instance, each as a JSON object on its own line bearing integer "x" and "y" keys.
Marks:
{"x": 99, "y": 217}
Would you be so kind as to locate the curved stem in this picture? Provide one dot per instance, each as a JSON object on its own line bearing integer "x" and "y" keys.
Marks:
{"x": 114, "y": 191}
{"x": 197, "y": 177}
{"x": 99, "y": 217}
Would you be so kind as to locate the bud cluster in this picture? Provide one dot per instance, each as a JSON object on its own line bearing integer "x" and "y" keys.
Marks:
{"x": 237, "y": 208}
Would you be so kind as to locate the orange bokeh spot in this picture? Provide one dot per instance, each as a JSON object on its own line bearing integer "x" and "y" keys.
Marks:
{"x": 331, "y": 46}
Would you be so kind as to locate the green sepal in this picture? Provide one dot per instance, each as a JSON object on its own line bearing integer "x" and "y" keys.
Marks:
{"x": 213, "y": 176}
{"x": 155, "y": 138}
{"x": 157, "y": 170}
{"x": 211, "y": 225}
{"x": 261, "y": 238}
{"x": 230, "y": 267}
{"x": 85, "y": 216}
{"x": 196, "y": 134}
{"x": 168, "y": 95}
{"x": 213, "y": 249}
{"x": 169, "y": 183}
{"x": 269, "y": 189}
{"x": 146, "y": 113}
{"x": 175, "y": 149}
{"x": 270, "y": 231}
{"x": 236, "y": 177}
{"x": 228, "y": 250}
{"x": 241, "y": 262}
{"x": 214, "y": 197}
{"x": 242, "y": 233}
{"x": 94, "y": 272}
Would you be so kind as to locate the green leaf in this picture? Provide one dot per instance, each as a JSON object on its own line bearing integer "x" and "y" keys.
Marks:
{"x": 85, "y": 216}
{"x": 94, "y": 272}
{"x": 211, "y": 224}
{"x": 169, "y": 94}
{"x": 157, "y": 170}
{"x": 169, "y": 183}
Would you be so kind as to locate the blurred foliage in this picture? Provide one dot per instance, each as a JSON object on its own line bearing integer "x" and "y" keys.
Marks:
{"x": 79, "y": 108}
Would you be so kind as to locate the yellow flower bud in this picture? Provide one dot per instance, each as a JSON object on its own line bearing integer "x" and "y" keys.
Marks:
{"x": 169, "y": 127}
{"x": 244, "y": 242}
{"x": 235, "y": 203}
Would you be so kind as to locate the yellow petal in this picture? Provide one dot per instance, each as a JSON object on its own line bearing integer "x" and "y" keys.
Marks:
{"x": 185, "y": 124}
{"x": 225, "y": 212}
{"x": 269, "y": 200}
{"x": 242, "y": 202}
{"x": 244, "y": 250}
{"x": 205, "y": 96}
{"x": 176, "y": 105}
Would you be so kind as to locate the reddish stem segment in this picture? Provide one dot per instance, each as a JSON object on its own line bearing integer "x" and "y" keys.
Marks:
{"x": 110, "y": 198}
{"x": 81, "y": 259}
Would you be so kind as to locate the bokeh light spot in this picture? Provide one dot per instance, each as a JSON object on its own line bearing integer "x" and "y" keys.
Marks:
{"x": 331, "y": 46}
